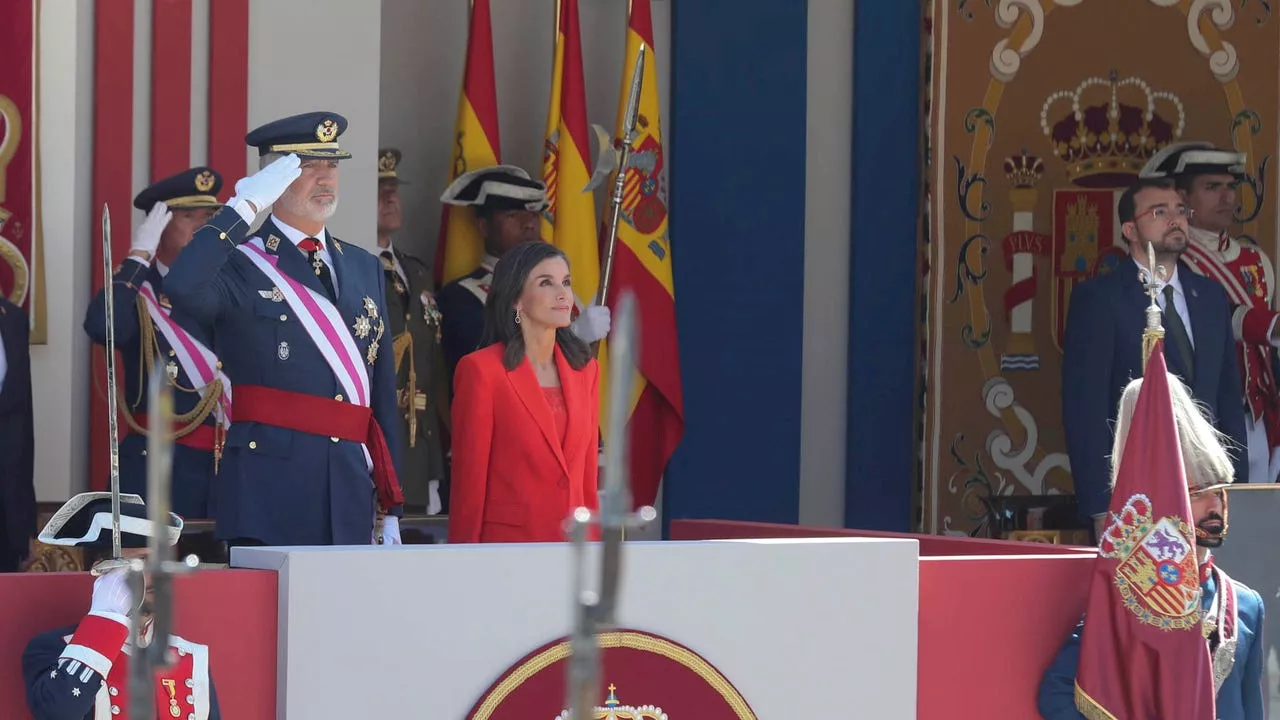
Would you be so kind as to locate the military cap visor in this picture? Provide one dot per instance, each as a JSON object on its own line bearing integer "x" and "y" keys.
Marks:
{"x": 500, "y": 187}
{"x": 309, "y": 135}
{"x": 85, "y": 521}
{"x": 1194, "y": 158}
{"x": 197, "y": 187}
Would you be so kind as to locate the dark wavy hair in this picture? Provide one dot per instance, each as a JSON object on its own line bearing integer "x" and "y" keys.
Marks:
{"x": 509, "y": 277}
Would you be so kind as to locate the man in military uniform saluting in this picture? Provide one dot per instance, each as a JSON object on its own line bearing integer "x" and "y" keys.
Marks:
{"x": 413, "y": 319}
{"x": 148, "y": 332}
{"x": 507, "y": 202}
{"x": 300, "y": 324}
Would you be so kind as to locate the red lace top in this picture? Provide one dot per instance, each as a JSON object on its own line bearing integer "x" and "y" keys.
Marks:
{"x": 560, "y": 411}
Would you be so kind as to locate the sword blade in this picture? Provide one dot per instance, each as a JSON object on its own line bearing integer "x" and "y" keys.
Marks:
{"x": 110, "y": 349}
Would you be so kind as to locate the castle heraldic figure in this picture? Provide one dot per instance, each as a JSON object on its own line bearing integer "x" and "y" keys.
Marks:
{"x": 82, "y": 672}
{"x": 507, "y": 205}
{"x": 1207, "y": 178}
{"x": 299, "y": 321}
{"x": 413, "y": 323}
{"x": 148, "y": 331}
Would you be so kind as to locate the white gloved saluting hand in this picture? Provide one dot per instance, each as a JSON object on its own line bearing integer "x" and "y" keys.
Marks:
{"x": 261, "y": 189}
{"x": 111, "y": 593}
{"x": 147, "y": 237}
{"x": 593, "y": 323}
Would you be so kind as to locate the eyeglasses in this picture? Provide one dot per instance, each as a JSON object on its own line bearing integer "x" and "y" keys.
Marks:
{"x": 1217, "y": 490}
{"x": 1163, "y": 213}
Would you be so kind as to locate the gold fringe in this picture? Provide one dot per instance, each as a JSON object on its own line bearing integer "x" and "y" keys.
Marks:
{"x": 1090, "y": 707}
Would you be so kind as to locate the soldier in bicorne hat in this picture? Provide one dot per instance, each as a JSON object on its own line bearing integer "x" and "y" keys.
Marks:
{"x": 148, "y": 332}
{"x": 507, "y": 204}
{"x": 81, "y": 672}
{"x": 1207, "y": 178}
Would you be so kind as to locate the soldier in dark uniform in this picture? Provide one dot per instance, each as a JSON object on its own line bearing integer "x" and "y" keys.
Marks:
{"x": 299, "y": 322}
{"x": 507, "y": 204}
{"x": 149, "y": 332}
{"x": 422, "y": 389}
{"x": 82, "y": 672}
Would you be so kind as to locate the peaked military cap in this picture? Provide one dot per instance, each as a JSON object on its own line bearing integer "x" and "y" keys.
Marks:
{"x": 197, "y": 187}
{"x": 1193, "y": 158}
{"x": 309, "y": 135}
{"x": 85, "y": 521}
{"x": 497, "y": 188}
{"x": 388, "y": 162}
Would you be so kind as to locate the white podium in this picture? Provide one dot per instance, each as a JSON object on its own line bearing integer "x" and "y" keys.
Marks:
{"x": 803, "y": 628}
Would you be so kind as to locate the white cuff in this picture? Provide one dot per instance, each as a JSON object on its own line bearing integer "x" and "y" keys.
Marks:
{"x": 243, "y": 208}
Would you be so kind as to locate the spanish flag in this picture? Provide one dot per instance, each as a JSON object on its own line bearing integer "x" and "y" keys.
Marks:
{"x": 642, "y": 264}
{"x": 475, "y": 144}
{"x": 569, "y": 221}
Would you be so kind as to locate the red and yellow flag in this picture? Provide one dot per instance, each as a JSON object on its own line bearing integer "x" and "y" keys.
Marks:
{"x": 460, "y": 248}
{"x": 642, "y": 265}
{"x": 569, "y": 221}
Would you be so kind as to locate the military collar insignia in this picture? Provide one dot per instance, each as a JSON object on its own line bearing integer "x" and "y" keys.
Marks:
{"x": 273, "y": 243}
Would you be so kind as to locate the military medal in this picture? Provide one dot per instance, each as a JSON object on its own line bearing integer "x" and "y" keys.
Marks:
{"x": 362, "y": 327}
{"x": 172, "y": 686}
{"x": 317, "y": 263}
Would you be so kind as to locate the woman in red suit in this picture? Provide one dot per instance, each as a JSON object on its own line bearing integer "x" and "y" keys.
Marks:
{"x": 525, "y": 409}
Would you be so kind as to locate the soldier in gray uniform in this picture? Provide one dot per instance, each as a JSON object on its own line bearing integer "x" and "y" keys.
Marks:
{"x": 422, "y": 389}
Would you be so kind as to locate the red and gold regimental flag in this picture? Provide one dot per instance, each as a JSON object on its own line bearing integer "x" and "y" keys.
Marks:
{"x": 569, "y": 221}
{"x": 642, "y": 265}
{"x": 1142, "y": 653}
{"x": 475, "y": 143}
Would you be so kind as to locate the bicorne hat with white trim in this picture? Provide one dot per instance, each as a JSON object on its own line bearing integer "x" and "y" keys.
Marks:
{"x": 497, "y": 188}
{"x": 1193, "y": 158}
{"x": 85, "y": 521}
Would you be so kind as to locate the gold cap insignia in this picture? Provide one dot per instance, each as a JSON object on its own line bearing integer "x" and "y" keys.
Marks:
{"x": 327, "y": 131}
{"x": 204, "y": 181}
{"x": 387, "y": 163}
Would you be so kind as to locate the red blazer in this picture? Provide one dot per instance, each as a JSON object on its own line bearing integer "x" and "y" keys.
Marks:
{"x": 512, "y": 481}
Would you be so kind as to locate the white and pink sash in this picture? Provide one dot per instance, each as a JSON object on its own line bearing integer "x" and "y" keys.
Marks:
{"x": 197, "y": 361}
{"x": 322, "y": 322}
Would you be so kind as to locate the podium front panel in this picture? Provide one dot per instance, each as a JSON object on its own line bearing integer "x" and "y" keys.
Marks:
{"x": 800, "y": 627}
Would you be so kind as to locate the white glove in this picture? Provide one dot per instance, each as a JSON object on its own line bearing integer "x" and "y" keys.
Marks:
{"x": 434, "y": 506}
{"x": 111, "y": 593}
{"x": 391, "y": 530}
{"x": 593, "y": 323}
{"x": 147, "y": 237}
{"x": 261, "y": 189}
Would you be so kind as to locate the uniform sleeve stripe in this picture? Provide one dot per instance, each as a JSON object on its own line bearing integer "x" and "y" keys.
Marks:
{"x": 98, "y": 640}
{"x": 90, "y": 657}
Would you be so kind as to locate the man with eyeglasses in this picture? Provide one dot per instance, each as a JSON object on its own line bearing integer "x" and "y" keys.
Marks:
{"x": 1103, "y": 341}
{"x": 1207, "y": 178}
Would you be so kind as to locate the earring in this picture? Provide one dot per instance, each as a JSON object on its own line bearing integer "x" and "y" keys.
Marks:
{"x": 517, "y": 316}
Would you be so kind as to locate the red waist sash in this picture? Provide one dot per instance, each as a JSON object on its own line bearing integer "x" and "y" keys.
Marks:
{"x": 327, "y": 418}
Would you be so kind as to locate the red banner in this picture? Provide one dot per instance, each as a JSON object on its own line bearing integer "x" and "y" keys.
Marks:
{"x": 18, "y": 210}
{"x": 645, "y": 677}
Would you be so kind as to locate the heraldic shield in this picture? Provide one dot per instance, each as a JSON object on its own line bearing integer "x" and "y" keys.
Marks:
{"x": 645, "y": 676}
{"x": 1157, "y": 575}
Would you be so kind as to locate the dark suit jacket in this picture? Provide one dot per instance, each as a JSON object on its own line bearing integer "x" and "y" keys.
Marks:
{"x": 1103, "y": 352}
{"x": 513, "y": 479}
{"x": 17, "y": 440}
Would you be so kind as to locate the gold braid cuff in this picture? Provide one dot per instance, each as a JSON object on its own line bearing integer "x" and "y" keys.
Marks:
{"x": 1090, "y": 708}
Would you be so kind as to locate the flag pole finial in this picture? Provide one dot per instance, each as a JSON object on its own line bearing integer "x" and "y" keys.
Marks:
{"x": 1153, "y": 278}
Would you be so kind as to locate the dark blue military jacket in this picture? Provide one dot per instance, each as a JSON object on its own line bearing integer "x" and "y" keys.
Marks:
{"x": 193, "y": 468}
{"x": 280, "y": 486}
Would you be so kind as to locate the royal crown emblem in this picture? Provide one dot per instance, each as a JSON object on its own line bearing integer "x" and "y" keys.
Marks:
{"x": 1023, "y": 170}
{"x": 1158, "y": 575}
{"x": 204, "y": 181}
{"x": 1104, "y": 140}
{"x": 615, "y": 710}
{"x": 327, "y": 131}
{"x": 387, "y": 162}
